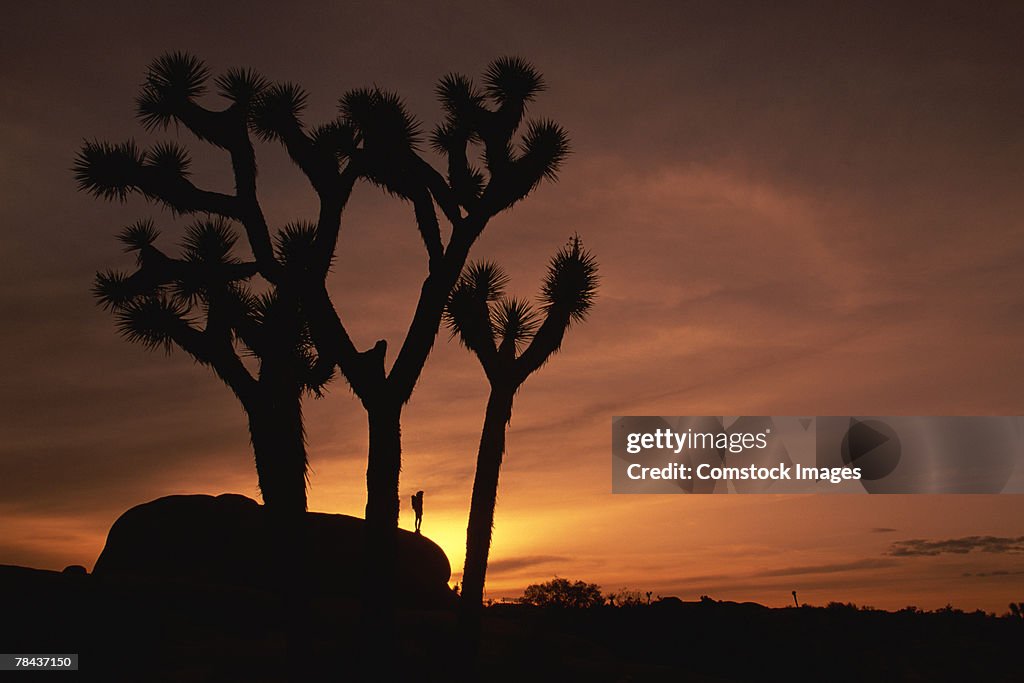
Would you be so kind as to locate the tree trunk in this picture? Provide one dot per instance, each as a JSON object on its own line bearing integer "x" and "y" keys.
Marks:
{"x": 481, "y": 514}
{"x": 279, "y": 445}
{"x": 384, "y": 463}
{"x": 383, "y": 466}
{"x": 275, "y": 427}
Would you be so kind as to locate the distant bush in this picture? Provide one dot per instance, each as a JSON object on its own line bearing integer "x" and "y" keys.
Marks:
{"x": 628, "y": 598}
{"x": 950, "y": 610}
{"x": 841, "y": 606}
{"x": 563, "y": 593}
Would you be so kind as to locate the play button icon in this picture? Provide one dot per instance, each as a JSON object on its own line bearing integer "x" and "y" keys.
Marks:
{"x": 873, "y": 446}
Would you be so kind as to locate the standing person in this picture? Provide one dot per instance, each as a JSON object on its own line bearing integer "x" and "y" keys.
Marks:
{"x": 417, "y": 507}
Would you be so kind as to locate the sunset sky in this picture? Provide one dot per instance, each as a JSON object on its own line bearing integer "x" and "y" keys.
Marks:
{"x": 797, "y": 210}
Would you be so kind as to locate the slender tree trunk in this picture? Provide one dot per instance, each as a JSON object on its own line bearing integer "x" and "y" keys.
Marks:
{"x": 382, "y": 505}
{"x": 384, "y": 464}
{"x": 481, "y": 515}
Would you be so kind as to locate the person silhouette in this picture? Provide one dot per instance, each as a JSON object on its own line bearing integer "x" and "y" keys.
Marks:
{"x": 417, "y": 507}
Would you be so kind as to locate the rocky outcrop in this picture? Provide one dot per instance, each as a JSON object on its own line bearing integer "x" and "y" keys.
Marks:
{"x": 230, "y": 540}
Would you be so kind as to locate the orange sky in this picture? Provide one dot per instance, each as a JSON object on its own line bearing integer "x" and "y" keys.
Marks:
{"x": 796, "y": 211}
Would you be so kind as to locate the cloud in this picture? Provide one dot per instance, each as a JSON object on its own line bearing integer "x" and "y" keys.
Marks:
{"x": 513, "y": 564}
{"x": 800, "y": 570}
{"x": 958, "y": 546}
{"x": 882, "y": 530}
{"x": 856, "y": 565}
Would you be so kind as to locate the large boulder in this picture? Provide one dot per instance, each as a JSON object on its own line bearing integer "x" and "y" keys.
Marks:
{"x": 228, "y": 539}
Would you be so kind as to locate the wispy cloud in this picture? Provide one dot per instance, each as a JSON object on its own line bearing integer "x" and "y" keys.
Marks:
{"x": 832, "y": 568}
{"x": 958, "y": 546}
{"x": 512, "y": 564}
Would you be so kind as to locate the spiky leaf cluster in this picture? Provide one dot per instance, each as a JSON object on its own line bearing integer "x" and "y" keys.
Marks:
{"x": 169, "y": 159}
{"x": 210, "y": 243}
{"x": 154, "y": 320}
{"x": 515, "y": 321}
{"x": 172, "y": 81}
{"x": 108, "y": 170}
{"x": 278, "y": 110}
{"x": 469, "y": 314}
{"x": 241, "y": 86}
{"x": 112, "y": 290}
{"x": 512, "y": 80}
{"x": 571, "y": 282}
{"x": 138, "y": 235}
{"x": 295, "y": 246}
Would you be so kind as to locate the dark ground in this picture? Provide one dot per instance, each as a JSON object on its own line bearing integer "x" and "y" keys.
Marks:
{"x": 147, "y": 631}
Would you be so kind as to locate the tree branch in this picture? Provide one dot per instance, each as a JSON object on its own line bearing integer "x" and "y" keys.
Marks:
{"x": 228, "y": 129}
{"x": 547, "y": 340}
{"x": 441, "y": 191}
{"x": 430, "y": 229}
{"x": 332, "y": 203}
{"x": 219, "y": 355}
{"x": 331, "y": 338}
{"x": 419, "y": 339}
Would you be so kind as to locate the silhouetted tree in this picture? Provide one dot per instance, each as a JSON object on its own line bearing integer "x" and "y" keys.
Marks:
{"x": 270, "y": 327}
{"x": 198, "y": 303}
{"x": 562, "y": 593}
{"x": 511, "y": 342}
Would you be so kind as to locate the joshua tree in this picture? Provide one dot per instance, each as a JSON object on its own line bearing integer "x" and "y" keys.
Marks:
{"x": 511, "y": 342}
{"x": 161, "y": 305}
{"x": 155, "y": 305}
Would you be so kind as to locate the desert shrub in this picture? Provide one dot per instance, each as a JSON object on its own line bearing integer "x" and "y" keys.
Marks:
{"x": 563, "y": 593}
